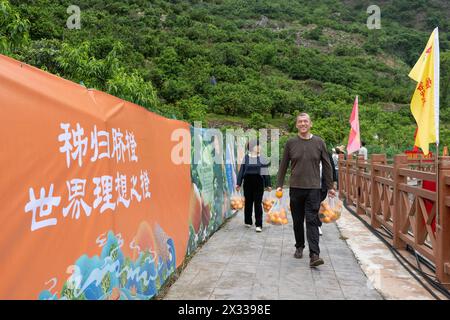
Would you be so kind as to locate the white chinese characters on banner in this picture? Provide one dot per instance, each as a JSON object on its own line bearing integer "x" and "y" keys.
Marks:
{"x": 102, "y": 192}
{"x": 121, "y": 188}
{"x": 65, "y": 137}
{"x": 79, "y": 144}
{"x": 109, "y": 191}
{"x": 131, "y": 142}
{"x": 43, "y": 207}
{"x": 99, "y": 140}
{"x": 77, "y": 190}
{"x": 75, "y": 144}
{"x": 133, "y": 189}
{"x": 145, "y": 182}
{"x": 104, "y": 198}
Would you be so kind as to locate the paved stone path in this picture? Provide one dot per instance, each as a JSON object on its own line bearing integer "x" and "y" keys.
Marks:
{"x": 238, "y": 263}
{"x": 379, "y": 264}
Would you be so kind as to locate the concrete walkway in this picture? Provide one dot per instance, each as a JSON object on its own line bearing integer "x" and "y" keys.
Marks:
{"x": 385, "y": 273}
{"x": 238, "y": 263}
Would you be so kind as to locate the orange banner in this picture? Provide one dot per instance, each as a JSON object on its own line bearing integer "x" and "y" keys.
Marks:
{"x": 92, "y": 206}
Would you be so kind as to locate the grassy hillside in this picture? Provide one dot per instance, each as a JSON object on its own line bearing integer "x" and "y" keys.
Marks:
{"x": 243, "y": 63}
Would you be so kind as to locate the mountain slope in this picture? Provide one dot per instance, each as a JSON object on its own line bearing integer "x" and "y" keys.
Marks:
{"x": 187, "y": 59}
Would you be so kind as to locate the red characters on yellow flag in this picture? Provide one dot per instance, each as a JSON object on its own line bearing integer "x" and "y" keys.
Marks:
{"x": 425, "y": 101}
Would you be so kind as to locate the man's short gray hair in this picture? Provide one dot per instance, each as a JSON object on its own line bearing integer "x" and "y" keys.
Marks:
{"x": 304, "y": 114}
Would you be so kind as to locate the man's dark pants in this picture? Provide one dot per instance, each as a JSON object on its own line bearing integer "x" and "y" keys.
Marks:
{"x": 305, "y": 204}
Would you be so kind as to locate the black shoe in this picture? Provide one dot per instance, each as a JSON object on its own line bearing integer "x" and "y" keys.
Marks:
{"x": 298, "y": 253}
{"x": 315, "y": 261}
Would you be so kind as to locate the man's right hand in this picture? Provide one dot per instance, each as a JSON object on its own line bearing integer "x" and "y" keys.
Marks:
{"x": 332, "y": 193}
{"x": 279, "y": 189}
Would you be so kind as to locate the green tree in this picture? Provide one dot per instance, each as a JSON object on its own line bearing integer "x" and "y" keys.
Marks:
{"x": 192, "y": 109}
{"x": 257, "y": 121}
{"x": 445, "y": 83}
{"x": 13, "y": 29}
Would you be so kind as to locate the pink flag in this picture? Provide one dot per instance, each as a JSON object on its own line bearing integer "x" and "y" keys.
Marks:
{"x": 354, "y": 141}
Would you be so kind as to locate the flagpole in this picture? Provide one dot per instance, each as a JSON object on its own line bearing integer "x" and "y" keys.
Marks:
{"x": 438, "y": 225}
{"x": 436, "y": 116}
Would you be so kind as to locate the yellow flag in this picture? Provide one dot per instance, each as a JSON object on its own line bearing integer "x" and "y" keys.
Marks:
{"x": 425, "y": 101}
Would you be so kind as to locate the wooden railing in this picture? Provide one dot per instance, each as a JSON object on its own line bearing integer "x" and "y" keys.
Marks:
{"x": 392, "y": 196}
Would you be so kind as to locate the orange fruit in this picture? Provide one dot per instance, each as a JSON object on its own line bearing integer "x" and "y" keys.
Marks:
{"x": 325, "y": 205}
{"x": 326, "y": 220}
{"x": 279, "y": 194}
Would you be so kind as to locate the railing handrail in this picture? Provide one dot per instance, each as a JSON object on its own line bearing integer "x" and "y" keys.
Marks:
{"x": 383, "y": 167}
{"x": 414, "y": 174}
{"x": 411, "y": 221}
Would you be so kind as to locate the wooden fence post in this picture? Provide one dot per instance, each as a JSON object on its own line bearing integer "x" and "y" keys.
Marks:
{"x": 375, "y": 196}
{"x": 443, "y": 225}
{"x": 359, "y": 180}
{"x": 400, "y": 161}
{"x": 341, "y": 179}
{"x": 348, "y": 183}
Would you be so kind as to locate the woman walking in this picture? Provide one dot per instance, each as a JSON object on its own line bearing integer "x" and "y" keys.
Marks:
{"x": 254, "y": 173}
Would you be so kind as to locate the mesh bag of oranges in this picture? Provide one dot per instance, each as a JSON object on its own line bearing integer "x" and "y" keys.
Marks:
{"x": 330, "y": 210}
{"x": 277, "y": 215}
{"x": 268, "y": 201}
{"x": 237, "y": 201}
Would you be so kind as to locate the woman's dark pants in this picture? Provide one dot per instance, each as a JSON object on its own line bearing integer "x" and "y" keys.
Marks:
{"x": 253, "y": 193}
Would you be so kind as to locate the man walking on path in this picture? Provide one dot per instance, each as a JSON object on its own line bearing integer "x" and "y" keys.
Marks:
{"x": 305, "y": 152}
